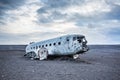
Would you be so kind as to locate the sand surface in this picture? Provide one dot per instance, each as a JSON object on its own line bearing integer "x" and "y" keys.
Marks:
{"x": 99, "y": 63}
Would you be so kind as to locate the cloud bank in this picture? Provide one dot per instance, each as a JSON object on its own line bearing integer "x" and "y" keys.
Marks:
{"x": 22, "y": 21}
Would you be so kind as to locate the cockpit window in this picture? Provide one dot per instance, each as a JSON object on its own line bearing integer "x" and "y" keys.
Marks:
{"x": 79, "y": 40}
{"x": 78, "y": 37}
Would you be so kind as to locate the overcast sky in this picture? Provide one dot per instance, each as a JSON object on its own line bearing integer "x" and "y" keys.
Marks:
{"x": 24, "y": 21}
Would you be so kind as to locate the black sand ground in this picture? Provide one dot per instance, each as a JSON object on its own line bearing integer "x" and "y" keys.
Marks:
{"x": 100, "y": 63}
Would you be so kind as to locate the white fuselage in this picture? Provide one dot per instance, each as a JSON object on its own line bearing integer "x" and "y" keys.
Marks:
{"x": 64, "y": 45}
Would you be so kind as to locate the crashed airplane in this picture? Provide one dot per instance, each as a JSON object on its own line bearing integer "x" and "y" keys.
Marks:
{"x": 68, "y": 45}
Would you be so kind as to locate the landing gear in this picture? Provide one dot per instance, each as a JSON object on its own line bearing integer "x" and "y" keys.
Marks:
{"x": 42, "y": 53}
{"x": 76, "y": 56}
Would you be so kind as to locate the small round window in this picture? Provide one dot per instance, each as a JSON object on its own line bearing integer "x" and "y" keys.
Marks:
{"x": 50, "y": 44}
{"x": 59, "y": 43}
{"x": 54, "y": 44}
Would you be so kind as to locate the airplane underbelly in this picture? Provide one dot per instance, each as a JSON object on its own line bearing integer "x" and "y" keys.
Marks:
{"x": 62, "y": 50}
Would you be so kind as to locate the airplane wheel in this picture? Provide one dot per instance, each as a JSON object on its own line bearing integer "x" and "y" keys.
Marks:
{"x": 76, "y": 56}
{"x": 42, "y": 53}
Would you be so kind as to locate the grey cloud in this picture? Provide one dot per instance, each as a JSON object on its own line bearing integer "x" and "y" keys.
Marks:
{"x": 55, "y": 11}
{"x": 6, "y": 5}
{"x": 54, "y": 15}
{"x": 61, "y": 3}
{"x": 58, "y": 4}
{"x": 42, "y": 10}
{"x": 85, "y": 20}
{"x": 43, "y": 19}
{"x": 57, "y": 15}
{"x": 114, "y": 13}
{"x": 10, "y": 4}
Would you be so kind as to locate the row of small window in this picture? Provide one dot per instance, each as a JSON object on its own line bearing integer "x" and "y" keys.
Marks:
{"x": 59, "y": 43}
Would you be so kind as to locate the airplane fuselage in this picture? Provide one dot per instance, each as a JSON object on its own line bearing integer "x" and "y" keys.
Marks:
{"x": 64, "y": 45}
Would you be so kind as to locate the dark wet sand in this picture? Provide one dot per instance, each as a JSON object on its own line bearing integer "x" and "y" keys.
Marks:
{"x": 100, "y": 63}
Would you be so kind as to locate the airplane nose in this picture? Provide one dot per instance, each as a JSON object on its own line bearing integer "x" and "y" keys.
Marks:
{"x": 84, "y": 46}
